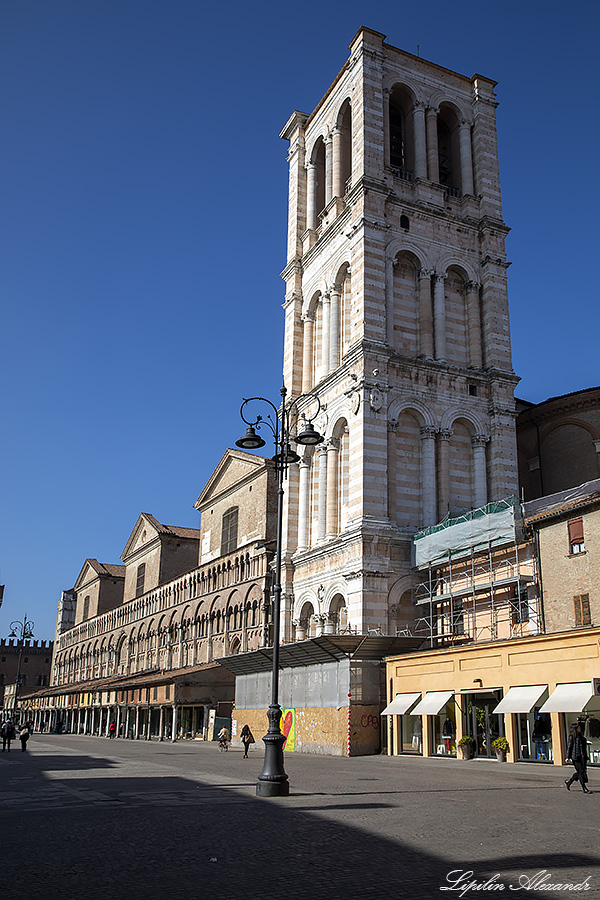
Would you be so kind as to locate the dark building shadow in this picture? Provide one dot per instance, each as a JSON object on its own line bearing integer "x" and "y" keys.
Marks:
{"x": 139, "y": 838}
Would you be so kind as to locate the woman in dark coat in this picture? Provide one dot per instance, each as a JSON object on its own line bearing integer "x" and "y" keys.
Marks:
{"x": 577, "y": 753}
{"x": 247, "y": 739}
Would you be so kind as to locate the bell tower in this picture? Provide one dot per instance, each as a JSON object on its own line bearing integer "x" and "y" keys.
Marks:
{"x": 397, "y": 319}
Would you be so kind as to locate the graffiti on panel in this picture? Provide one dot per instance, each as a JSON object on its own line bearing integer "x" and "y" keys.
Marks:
{"x": 369, "y": 721}
{"x": 288, "y": 728}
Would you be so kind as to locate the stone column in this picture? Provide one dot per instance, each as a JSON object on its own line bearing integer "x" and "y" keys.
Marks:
{"x": 118, "y": 722}
{"x": 136, "y": 732}
{"x": 466, "y": 158}
{"x": 322, "y": 512}
{"x": 387, "y": 161}
{"x": 420, "y": 142}
{"x": 328, "y": 169}
{"x": 392, "y": 508}
{"x": 478, "y": 442}
{"x": 338, "y": 186}
{"x": 311, "y": 197}
{"x": 428, "y": 475}
{"x": 174, "y": 724}
{"x": 439, "y": 316}
{"x": 307, "y": 351}
{"x": 433, "y": 160}
{"x": 425, "y": 314}
{"x": 333, "y": 449}
{"x": 334, "y": 329}
{"x": 443, "y": 470}
{"x": 389, "y": 300}
{"x": 474, "y": 325}
{"x": 161, "y": 724}
{"x": 325, "y": 337}
{"x": 127, "y": 716}
{"x": 303, "y": 490}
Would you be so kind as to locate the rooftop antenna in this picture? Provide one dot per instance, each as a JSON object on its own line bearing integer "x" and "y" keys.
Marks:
{"x": 418, "y": 50}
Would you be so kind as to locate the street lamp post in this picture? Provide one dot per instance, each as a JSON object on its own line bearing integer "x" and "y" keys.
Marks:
{"x": 273, "y": 781}
{"x": 23, "y": 631}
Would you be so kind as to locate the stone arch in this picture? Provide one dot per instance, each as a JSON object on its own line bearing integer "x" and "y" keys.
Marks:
{"x": 568, "y": 454}
{"x": 304, "y": 622}
{"x": 400, "y": 606}
{"x": 317, "y": 182}
{"x": 400, "y": 130}
{"x": 342, "y": 149}
{"x": 399, "y": 404}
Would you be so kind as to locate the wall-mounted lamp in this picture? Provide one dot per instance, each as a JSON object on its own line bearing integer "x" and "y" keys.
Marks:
{"x": 478, "y": 681}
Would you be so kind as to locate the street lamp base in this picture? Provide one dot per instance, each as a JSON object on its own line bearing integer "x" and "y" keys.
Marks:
{"x": 272, "y": 788}
{"x": 273, "y": 781}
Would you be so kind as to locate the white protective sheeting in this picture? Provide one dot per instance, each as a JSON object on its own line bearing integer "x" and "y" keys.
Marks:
{"x": 431, "y": 703}
{"x": 401, "y": 704}
{"x": 491, "y": 528}
{"x": 521, "y": 699}
{"x": 569, "y": 697}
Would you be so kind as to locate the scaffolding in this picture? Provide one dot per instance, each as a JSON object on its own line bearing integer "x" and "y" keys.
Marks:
{"x": 477, "y": 578}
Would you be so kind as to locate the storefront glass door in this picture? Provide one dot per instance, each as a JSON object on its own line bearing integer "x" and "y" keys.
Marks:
{"x": 482, "y": 724}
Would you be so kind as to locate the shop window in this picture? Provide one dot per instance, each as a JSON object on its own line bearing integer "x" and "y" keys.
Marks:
{"x": 582, "y": 609}
{"x": 229, "y": 531}
{"x": 576, "y": 544}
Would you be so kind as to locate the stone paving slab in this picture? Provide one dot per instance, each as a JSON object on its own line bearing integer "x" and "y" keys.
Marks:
{"x": 85, "y": 816}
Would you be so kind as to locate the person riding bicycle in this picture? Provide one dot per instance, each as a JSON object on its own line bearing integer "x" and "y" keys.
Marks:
{"x": 223, "y": 738}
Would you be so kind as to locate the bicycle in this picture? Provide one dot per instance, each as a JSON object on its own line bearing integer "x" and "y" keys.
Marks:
{"x": 223, "y": 744}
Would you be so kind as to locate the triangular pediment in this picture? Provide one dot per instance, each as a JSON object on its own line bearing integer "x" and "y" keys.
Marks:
{"x": 89, "y": 571}
{"x": 235, "y": 467}
{"x": 145, "y": 531}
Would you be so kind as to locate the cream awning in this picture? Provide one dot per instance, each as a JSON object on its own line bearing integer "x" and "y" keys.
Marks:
{"x": 521, "y": 699}
{"x": 401, "y": 704}
{"x": 569, "y": 697}
{"x": 431, "y": 703}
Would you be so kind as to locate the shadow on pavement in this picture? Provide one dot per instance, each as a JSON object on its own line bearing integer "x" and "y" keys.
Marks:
{"x": 170, "y": 837}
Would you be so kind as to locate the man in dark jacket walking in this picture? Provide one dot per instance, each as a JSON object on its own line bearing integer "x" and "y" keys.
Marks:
{"x": 8, "y": 734}
{"x": 577, "y": 753}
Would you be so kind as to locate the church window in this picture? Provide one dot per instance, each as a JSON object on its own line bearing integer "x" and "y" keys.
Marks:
{"x": 229, "y": 532}
{"x": 405, "y": 223}
{"x": 86, "y": 607}
{"x": 140, "y": 579}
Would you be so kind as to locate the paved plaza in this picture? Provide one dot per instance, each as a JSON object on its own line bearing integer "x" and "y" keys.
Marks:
{"x": 85, "y": 817}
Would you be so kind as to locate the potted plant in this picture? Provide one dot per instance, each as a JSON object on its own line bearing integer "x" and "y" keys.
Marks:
{"x": 501, "y": 746}
{"x": 467, "y": 744}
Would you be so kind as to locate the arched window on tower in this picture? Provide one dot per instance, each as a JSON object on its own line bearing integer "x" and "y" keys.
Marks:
{"x": 449, "y": 151}
{"x": 401, "y": 138}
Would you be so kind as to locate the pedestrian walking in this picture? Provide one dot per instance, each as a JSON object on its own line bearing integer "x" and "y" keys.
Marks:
{"x": 247, "y": 739}
{"x": 24, "y": 737}
{"x": 112, "y": 730}
{"x": 577, "y": 753}
{"x": 8, "y": 734}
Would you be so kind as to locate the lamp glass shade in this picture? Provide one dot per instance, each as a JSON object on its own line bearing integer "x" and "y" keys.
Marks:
{"x": 251, "y": 440}
{"x": 286, "y": 457}
{"x": 309, "y": 437}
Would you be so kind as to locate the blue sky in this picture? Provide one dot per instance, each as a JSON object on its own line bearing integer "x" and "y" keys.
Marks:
{"x": 143, "y": 233}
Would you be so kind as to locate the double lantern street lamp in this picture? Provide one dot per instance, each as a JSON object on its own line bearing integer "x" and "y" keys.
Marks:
{"x": 273, "y": 781}
{"x": 23, "y": 631}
